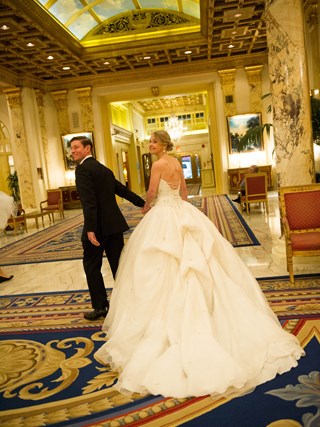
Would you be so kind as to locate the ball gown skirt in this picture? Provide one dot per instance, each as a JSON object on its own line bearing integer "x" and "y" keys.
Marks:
{"x": 7, "y": 208}
{"x": 187, "y": 318}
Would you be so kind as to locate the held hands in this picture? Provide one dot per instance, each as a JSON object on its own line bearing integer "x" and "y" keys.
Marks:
{"x": 145, "y": 208}
{"x": 92, "y": 238}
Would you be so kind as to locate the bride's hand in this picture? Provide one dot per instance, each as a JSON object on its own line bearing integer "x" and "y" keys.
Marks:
{"x": 145, "y": 209}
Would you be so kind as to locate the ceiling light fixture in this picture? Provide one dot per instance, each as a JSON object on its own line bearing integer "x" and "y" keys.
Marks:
{"x": 106, "y": 63}
{"x": 237, "y": 15}
{"x": 5, "y": 27}
{"x": 230, "y": 46}
{"x": 187, "y": 52}
{"x": 66, "y": 68}
{"x": 174, "y": 127}
{"x": 147, "y": 57}
{"x": 30, "y": 44}
{"x": 50, "y": 57}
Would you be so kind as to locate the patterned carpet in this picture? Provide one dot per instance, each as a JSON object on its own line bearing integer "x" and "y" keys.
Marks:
{"x": 49, "y": 376}
{"x": 193, "y": 189}
{"x": 62, "y": 240}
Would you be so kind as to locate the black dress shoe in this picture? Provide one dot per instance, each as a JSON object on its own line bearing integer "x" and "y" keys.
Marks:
{"x": 237, "y": 200}
{"x": 4, "y": 279}
{"x": 95, "y": 314}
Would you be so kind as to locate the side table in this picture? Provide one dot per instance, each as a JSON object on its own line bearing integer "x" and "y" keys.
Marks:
{"x": 36, "y": 215}
{"x": 70, "y": 196}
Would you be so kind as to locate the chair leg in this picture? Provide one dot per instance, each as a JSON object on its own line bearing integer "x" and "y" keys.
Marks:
{"x": 290, "y": 263}
{"x": 291, "y": 274}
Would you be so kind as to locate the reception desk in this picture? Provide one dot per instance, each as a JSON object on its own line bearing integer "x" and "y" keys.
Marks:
{"x": 70, "y": 197}
{"x": 236, "y": 175}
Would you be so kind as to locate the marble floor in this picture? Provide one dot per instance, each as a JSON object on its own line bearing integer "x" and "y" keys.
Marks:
{"x": 266, "y": 260}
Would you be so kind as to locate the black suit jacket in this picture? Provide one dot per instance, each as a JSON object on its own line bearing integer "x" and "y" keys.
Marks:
{"x": 97, "y": 188}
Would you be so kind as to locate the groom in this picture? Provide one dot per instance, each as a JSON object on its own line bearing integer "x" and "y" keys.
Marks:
{"x": 104, "y": 223}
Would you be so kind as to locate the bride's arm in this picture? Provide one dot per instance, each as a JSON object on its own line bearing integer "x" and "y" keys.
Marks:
{"x": 153, "y": 186}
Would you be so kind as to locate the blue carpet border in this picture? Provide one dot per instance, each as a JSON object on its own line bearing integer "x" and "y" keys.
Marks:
{"x": 255, "y": 241}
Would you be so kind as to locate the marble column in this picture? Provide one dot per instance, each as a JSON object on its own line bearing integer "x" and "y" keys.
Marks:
{"x": 290, "y": 92}
{"x": 255, "y": 83}
{"x": 312, "y": 11}
{"x": 61, "y": 104}
{"x": 44, "y": 139}
{"x": 20, "y": 148}
{"x": 85, "y": 99}
{"x": 227, "y": 78}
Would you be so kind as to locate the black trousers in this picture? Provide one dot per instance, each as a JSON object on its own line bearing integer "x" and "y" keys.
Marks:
{"x": 92, "y": 263}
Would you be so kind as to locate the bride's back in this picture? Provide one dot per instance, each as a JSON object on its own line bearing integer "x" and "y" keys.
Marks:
{"x": 171, "y": 170}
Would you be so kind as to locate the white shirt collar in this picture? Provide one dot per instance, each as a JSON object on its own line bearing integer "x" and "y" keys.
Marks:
{"x": 90, "y": 155}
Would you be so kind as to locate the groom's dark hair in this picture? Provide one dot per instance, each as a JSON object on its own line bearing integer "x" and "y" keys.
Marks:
{"x": 83, "y": 139}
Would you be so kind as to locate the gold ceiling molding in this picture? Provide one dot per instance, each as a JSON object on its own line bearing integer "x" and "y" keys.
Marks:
{"x": 141, "y": 20}
{"x": 38, "y": 51}
{"x": 141, "y": 24}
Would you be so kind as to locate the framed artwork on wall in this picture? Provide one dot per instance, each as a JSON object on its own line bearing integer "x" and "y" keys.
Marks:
{"x": 245, "y": 133}
{"x": 68, "y": 160}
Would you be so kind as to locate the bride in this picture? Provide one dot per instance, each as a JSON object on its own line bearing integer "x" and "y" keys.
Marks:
{"x": 7, "y": 208}
{"x": 187, "y": 318}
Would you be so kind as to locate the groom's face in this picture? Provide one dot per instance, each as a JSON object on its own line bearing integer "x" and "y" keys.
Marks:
{"x": 79, "y": 151}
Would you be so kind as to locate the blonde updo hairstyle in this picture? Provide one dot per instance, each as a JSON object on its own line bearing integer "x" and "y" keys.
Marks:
{"x": 164, "y": 138}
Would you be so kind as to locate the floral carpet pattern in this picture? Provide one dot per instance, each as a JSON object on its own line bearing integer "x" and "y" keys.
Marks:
{"x": 49, "y": 375}
{"x": 62, "y": 240}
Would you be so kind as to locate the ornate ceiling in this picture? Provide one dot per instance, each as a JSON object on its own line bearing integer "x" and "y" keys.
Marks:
{"x": 53, "y": 43}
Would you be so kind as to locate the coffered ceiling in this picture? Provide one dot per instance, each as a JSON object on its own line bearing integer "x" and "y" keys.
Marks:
{"x": 52, "y": 44}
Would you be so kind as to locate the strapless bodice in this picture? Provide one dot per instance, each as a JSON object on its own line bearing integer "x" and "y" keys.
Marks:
{"x": 168, "y": 195}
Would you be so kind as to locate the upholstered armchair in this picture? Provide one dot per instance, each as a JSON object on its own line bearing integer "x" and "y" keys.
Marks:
{"x": 53, "y": 203}
{"x": 256, "y": 191}
{"x": 300, "y": 216}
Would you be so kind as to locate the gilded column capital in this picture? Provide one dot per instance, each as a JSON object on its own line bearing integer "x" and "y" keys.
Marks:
{"x": 84, "y": 95}
{"x": 227, "y": 77}
{"x": 254, "y": 74}
{"x": 13, "y": 97}
{"x": 40, "y": 97}
{"x": 83, "y": 91}
{"x": 60, "y": 99}
{"x": 85, "y": 100}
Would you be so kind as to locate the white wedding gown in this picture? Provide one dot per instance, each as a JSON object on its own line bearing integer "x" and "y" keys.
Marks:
{"x": 7, "y": 208}
{"x": 186, "y": 316}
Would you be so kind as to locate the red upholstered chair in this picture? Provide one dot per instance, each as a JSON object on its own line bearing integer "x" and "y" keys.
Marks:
{"x": 256, "y": 191}
{"x": 300, "y": 215}
{"x": 53, "y": 203}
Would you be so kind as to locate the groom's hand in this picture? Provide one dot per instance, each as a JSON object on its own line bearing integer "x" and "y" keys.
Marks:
{"x": 92, "y": 238}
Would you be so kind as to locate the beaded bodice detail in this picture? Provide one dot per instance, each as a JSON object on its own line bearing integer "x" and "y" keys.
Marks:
{"x": 169, "y": 194}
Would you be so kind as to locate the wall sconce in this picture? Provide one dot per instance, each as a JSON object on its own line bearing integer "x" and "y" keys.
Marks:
{"x": 155, "y": 90}
{"x": 39, "y": 172}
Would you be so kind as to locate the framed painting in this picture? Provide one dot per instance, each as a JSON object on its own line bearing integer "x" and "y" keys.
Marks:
{"x": 245, "y": 132}
{"x": 68, "y": 160}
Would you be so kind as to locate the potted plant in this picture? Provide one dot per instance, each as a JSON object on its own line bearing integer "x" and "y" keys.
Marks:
{"x": 13, "y": 184}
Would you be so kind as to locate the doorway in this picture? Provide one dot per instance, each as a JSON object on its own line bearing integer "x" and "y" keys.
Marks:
{"x": 126, "y": 168}
{"x": 191, "y": 167}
